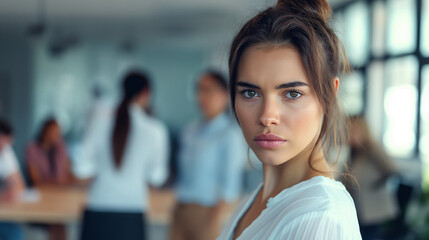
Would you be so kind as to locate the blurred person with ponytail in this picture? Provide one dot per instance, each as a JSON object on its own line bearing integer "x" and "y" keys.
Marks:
{"x": 283, "y": 68}
{"x": 129, "y": 152}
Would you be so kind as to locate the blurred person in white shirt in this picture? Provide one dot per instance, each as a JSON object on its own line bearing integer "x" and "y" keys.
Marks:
{"x": 11, "y": 181}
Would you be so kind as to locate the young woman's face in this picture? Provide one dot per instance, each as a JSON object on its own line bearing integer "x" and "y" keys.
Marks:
{"x": 53, "y": 134}
{"x": 277, "y": 108}
{"x": 212, "y": 98}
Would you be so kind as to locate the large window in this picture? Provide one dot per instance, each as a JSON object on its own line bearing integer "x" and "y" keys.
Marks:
{"x": 401, "y": 26}
{"x": 390, "y": 85}
{"x": 400, "y": 103}
{"x": 425, "y": 29}
{"x": 424, "y": 114}
{"x": 375, "y": 86}
{"x": 378, "y": 28}
{"x": 356, "y": 41}
{"x": 424, "y": 128}
{"x": 351, "y": 92}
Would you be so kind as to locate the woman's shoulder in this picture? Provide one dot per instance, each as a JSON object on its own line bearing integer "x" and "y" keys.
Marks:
{"x": 321, "y": 204}
{"x": 152, "y": 130}
{"x": 316, "y": 194}
{"x": 156, "y": 124}
{"x": 319, "y": 197}
{"x": 145, "y": 122}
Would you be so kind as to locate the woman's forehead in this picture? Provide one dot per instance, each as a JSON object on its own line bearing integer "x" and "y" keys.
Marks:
{"x": 272, "y": 65}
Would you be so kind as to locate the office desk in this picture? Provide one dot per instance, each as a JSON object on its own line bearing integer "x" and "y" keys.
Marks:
{"x": 65, "y": 205}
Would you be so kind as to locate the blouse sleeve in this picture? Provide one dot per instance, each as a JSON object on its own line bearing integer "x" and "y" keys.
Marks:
{"x": 157, "y": 167}
{"x": 8, "y": 162}
{"x": 92, "y": 147}
{"x": 321, "y": 225}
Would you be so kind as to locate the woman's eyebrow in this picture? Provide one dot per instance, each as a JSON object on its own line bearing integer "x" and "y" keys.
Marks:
{"x": 248, "y": 85}
{"x": 291, "y": 84}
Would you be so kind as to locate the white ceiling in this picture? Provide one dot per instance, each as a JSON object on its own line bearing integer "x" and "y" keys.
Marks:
{"x": 125, "y": 9}
{"x": 133, "y": 18}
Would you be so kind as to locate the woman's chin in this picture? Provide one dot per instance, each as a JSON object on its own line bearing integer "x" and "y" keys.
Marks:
{"x": 271, "y": 158}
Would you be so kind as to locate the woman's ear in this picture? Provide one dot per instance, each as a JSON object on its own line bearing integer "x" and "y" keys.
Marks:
{"x": 336, "y": 85}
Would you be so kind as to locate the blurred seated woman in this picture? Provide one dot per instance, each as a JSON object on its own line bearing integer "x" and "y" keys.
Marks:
{"x": 49, "y": 165}
{"x": 47, "y": 158}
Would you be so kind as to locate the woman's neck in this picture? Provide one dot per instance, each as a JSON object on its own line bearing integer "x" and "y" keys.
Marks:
{"x": 294, "y": 171}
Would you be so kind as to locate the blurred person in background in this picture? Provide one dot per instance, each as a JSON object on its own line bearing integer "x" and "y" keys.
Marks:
{"x": 11, "y": 181}
{"x": 47, "y": 158}
{"x": 210, "y": 164}
{"x": 372, "y": 167}
{"x": 128, "y": 151}
{"x": 49, "y": 165}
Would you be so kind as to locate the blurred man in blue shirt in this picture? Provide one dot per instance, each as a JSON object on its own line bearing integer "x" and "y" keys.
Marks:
{"x": 210, "y": 164}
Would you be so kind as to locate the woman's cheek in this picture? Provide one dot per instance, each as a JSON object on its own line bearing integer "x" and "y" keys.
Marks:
{"x": 246, "y": 117}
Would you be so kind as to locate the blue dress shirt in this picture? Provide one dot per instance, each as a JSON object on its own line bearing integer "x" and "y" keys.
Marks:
{"x": 211, "y": 162}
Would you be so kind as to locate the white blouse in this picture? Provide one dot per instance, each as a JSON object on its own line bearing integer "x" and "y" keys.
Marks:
{"x": 144, "y": 162}
{"x": 8, "y": 162}
{"x": 318, "y": 208}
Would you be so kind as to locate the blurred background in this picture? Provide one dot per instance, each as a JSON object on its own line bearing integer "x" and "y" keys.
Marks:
{"x": 61, "y": 58}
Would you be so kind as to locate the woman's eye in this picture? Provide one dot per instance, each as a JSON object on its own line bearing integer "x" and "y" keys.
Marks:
{"x": 249, "y": 94}
{"x": 293, "y": 94}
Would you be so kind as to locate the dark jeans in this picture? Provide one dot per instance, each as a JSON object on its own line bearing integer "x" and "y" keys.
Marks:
{"x": 371, "y": 232}
{"x": 10, "y": 231}
{"x": 113, "y": 226}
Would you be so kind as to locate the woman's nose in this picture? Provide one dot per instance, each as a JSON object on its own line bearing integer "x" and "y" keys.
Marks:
{"x": 270, "y": 113}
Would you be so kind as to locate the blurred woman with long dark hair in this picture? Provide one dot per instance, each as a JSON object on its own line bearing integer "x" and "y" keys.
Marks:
{"x": 131, "y": 151}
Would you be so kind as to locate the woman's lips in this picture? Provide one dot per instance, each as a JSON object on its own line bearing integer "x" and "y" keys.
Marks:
{"x": 269, "y": 140}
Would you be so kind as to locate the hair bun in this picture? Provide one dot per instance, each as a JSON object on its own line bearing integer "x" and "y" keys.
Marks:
{"x": 319, "y": 7}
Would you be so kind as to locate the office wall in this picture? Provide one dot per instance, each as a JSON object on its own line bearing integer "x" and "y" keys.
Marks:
{"x": 38, "y": 82}
{"x": 16, "y": 86}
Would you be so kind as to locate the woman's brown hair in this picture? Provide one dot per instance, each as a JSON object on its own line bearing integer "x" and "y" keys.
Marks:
{"x": 303, "y": 25}
{"x": 134, "y": 83}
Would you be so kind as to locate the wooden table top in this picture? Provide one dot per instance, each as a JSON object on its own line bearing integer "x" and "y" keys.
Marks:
{"x": 66, "y": 204}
